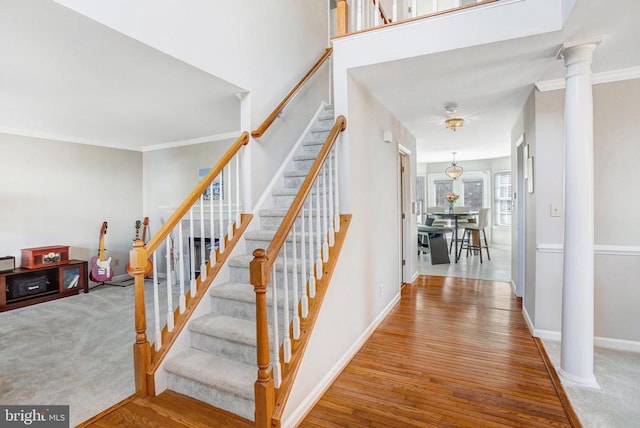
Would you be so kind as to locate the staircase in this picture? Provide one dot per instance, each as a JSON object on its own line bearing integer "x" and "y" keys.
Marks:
{"x": 220, "y": 366}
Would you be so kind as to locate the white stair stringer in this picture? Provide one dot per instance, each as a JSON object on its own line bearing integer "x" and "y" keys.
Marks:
{"x": 220, "y": 368}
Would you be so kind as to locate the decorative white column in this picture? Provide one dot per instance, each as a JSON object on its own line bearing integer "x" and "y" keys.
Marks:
{"x": 576, "y": 365}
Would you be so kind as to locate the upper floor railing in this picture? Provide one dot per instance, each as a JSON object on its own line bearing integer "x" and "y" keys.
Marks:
{"x": 360, "y": 15}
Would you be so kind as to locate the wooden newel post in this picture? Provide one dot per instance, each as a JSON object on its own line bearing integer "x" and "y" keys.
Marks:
{"x": 141, "y": 349}
{"x": 342, "y": 24}
{"x": 264, "y": 388}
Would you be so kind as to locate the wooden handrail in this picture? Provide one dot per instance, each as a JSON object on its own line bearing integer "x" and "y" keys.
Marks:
{"x": 274, "y": 114}
{"x": 289, "y": 219}
{"x": 184, "y": 208}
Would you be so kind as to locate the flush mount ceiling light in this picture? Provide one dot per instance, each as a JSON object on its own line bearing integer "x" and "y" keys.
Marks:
{"x": 454, "y": 171}
{"x": 454, "y": 123}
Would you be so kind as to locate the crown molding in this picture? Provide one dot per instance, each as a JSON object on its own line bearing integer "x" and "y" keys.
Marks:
{"x": 596, "y": 78}
{"x": 63, "y": 138}
{"x": 107, "y": 144}
{"x": 191, "y": 141}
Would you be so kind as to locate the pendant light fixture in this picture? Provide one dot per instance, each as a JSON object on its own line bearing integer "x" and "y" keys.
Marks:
{"x": 454, "y": 171}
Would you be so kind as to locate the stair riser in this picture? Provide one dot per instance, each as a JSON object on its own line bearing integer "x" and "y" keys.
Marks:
{"x": 296, "y": 182}
{"x": 254, "y": 244}
{"x": 310, "y": 147}
{"x": 211, "y": 395}
{"x": 242, "y": 275}
{"x": 285, "y": 201}
{"x": 246, "y": 310}
{"x": 273, "y": 223}
{"x": 224, "y": 348}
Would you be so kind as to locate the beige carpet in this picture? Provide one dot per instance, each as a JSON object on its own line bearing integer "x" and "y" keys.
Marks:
{"x": 74, "y": 351}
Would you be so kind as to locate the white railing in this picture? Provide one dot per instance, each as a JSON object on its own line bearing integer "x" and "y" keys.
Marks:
{"x": 291, "y": 271}
{"x": 367, "y": 14}
{"x": 209, "y": 216}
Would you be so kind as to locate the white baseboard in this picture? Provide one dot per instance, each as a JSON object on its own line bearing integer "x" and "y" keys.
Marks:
{"x": 316, "y": 393}
{"x": 513, "y": 286}
{"x": 547, "y": 334}
{"x": 527, "y": 319}
{"x": 415, "y": 276}
{"x": 601, "y": 342}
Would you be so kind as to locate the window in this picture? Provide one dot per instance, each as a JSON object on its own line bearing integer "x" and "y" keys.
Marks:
{"x": 442, "y": 187}
{"x": 503, "y": 199}
{"x": 473, "y": 193}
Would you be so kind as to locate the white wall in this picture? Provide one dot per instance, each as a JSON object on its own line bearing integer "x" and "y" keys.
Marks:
{"x": 370, "y": 255}
{"x": 525, "y": 125}
{"x": 616, "y": 156}
{"x": 171, "y": 174}
{"x": 58, "y": 193}
{"x": 263, "y": 47}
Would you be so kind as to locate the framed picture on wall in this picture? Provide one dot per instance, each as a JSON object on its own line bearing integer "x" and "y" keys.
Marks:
{"x": 215, "y": 190}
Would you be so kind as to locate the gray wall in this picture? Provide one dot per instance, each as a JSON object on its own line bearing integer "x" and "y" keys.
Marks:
{"x": 59, "y": 193}
{"x": 616, "y": 155}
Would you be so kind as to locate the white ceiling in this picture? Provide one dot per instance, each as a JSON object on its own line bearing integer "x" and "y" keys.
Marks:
{"x": 64, "y": 76}
{"x": 490, "y": 83}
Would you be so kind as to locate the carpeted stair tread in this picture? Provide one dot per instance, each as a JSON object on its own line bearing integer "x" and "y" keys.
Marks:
{"x": 225, "y": 327}
{"x": 296, "y": 173}
{"x": 290, "y": 191}
{"x": 268, "y": 234}
{"x": 281, "y": 212}
{"x": 220, "y": 373}
{"x": 305, "y": 157}
{"x": 239, "y": 291}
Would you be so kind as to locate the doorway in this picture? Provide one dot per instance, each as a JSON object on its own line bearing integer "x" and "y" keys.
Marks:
{"x": 405, "y": 209}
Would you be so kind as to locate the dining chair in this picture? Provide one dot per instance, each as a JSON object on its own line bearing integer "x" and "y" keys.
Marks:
{"x": 479, "y": 227}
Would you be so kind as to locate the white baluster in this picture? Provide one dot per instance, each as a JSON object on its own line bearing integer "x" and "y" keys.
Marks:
{"x": 304, "y": 303}
{"x": 294, "y": 272}
{"x": 394, "y": 13}
{"x": 434, "y": 7}
{"x": 203, "y": 245}
{"x": 286, "y": 344}
{"x": 221, "y": 212}
{"x": 156, "y": 303}
{"x": 336, "y": 218}
{"x": 325, "y": 229}
{"x": 332, "y": 233}
{"x": 275, "y": 360}
{"x": 319, "y": 232}
{"x": 376, "y": 13}
{"x": 183, "y": 300}
{"x": 212, "y": 228}
{"x": 359, "y": 15}
{"x": 229, "y": 199}
{"x": 237, "y": 190}
{"x": 312, "y": 276}
{"x": 192, "y": 255}
{"x": 169, "y": 289}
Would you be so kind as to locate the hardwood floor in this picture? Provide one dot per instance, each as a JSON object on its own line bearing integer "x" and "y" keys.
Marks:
{"x": 454, "y": 352}
{"x": 169, "y": 409}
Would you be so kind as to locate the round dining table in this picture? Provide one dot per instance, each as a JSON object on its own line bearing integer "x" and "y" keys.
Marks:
{"x": 454, "y": 216}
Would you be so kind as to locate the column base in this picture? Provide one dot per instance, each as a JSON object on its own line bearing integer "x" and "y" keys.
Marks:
{"x": 581, "y": 382}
